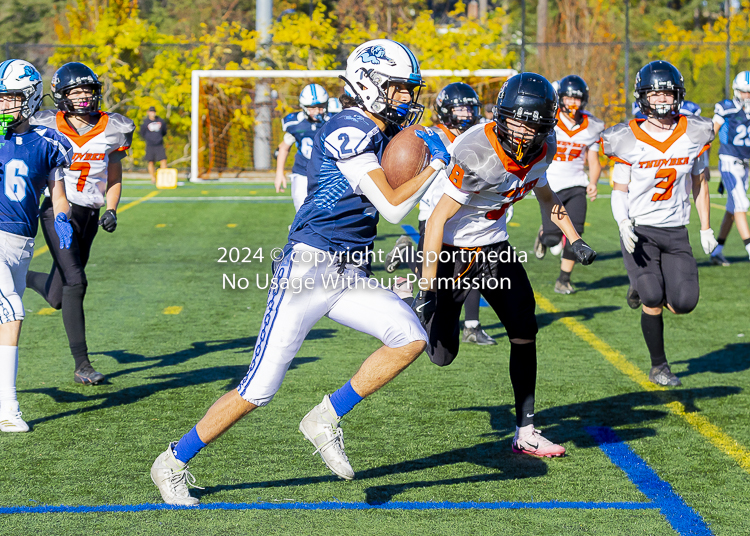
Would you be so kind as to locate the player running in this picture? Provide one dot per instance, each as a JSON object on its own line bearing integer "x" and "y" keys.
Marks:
{"x": 31, "y": 158}
{"x": 732, "y": 124}
{"x": 578, "y": 134}
{"x": 493, "y": 166}
{"x": 457, "y": 107}
{"x": 656, "y": 163}
{"x": 332, "y": 230}
{"x": 100, "y": 141}
{"x": 300, "y": 129}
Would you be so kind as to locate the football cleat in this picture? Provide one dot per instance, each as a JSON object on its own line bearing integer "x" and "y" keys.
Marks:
{"x": 633, "y": 299}
{"x": 399, "y": 251}
{"x": 540, "y": 250}
{"x": 86, "y": 375}
{"x": 662, "y": 375}
{"x": 172, "y": 478}
{"x": 719, "y": 260}
{"x": 10, "y": 419}
{"x": 478, "y": 336}
{"x": 403, "y": 288}
{"x": 529, "y": 440}
{"x": 564, "y": 288}
{"x": 320, "y": 427}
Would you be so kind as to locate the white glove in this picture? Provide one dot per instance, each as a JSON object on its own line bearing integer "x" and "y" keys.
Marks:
{"x": 708, "y": 241}
{"x": 627, "y": 233}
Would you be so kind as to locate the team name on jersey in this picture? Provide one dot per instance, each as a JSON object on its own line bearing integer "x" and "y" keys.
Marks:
{"x": 659, "y": 162}
{"x": 88, "y": 156}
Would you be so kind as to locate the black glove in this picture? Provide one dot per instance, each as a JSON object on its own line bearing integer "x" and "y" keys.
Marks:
{"x": 108, "y": 221}
{"x": 583, "y": 252}
{"x": 424, "y": 306}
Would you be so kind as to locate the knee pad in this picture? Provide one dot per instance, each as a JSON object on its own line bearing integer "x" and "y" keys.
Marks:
{"x": 567, "y": 252}
{"x": 551, "y": 239}
{"x": 440, "y": 355}
{"x": 650, "y": 291}
{"x": 685, "y": 301}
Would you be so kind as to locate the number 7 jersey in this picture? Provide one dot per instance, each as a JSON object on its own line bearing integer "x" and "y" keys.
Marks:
{"x": 658, "y": 191}
{"x": 107, "y": 141}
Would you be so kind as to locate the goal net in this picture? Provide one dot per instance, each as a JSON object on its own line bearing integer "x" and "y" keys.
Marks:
{"x": 236, "y": 115}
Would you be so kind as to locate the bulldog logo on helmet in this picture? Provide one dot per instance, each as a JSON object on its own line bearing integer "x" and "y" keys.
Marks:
{"x": 374, "y": 55}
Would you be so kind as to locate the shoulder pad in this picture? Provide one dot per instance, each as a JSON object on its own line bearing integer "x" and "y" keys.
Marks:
{"x": 291, "y": 119}
{"x": 122, "y": 129}
{"x": 595, "y": 124}
{"x": 437, "y": 130}
{"x": 700, "y": 130}
{"x": 725, "y": 107}
{"x": 618, "y": 140}
{"x": 551, "y": 146}
{"x": 47, "y": 118}
{"x": 348, "y": 134}
{"x": 472, "y": 150}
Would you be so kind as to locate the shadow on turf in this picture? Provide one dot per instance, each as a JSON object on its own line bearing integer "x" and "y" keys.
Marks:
{"x": 545, "y": 319}
{"x": 604, "y": 282}
{"x": 731, "y": 358}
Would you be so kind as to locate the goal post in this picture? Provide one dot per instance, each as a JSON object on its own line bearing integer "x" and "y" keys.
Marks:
{"x": 226, "y": 115}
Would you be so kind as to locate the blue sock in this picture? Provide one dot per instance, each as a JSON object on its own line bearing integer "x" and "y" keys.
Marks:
{"x": 188, "y": 446}
{"x": 345, "y": 399}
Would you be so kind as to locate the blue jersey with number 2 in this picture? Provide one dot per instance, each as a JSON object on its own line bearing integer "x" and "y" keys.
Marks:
{"x": 734, "y": 133}
{"x": 26, "y": 161}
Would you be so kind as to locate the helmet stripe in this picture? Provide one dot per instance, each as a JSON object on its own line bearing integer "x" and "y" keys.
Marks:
{"x": 315, "y": 96}
{"x": 412, "y": 59}
{"x": 4, "y": 67}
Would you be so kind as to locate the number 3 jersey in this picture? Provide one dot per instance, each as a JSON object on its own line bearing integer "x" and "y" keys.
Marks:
{"x": 107, "y": 141}
{"x": 573, "y": 145}
{"x": 657, "y": 172}
{"x": 487, "y": 182}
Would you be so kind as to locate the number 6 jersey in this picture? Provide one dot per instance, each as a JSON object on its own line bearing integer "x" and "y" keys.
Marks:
{"x": 107, "y": 141}
{"x": 657, "y": 172}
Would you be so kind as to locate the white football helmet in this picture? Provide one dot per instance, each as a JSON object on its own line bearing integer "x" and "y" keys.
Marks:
{"x": 742, "y": 83}
{"x": 313, "y": 95}
{"x": 334, "y": 106}
{"x": 376, "y": 65}
{"x": 19, "y": 77}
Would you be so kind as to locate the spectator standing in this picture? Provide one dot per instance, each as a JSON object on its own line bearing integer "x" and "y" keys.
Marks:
{"x": 153, "y": 130}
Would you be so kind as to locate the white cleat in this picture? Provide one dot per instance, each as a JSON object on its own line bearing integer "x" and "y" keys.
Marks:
{"x": 10, "y": 419}
{"x": 320, "y": 427}
{"x": 172, "y": 478}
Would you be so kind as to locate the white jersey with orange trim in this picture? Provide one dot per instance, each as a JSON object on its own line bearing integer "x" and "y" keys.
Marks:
{"x": 657, "y": 171}
{"x": 435, "y": 191}
{"x": 487, "y": 182}
{"x": 107, "y": 141}
{"x": 573, "y": 144}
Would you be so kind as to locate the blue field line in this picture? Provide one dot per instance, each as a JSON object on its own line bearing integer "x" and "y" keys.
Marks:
{"x": 330, "y": 505}
{"x": 684, "y": 520}
{"x": 414, "y": 235}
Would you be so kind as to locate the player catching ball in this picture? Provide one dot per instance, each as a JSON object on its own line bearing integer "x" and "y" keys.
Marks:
{"x": 338, "y": 220}
{"x": 654, "y": 159}
{"x": 100, "y": 141}
{"x": 493, "y": 166}
{"x": 578, "y": 134}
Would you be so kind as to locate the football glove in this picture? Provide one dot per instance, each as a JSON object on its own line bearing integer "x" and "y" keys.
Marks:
{"x": 424, "y": 306}
{"x": 708, "y": 241}
{"x": 108, "y": 221}
{"x": 435, "y": 145}
{"x": 64, "y": 230}
{"x": 627, "y": 233}
{"x": 583, "y": 252}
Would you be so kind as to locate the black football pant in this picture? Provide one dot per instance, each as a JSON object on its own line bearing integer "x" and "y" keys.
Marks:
{"x": 574, "y": 201}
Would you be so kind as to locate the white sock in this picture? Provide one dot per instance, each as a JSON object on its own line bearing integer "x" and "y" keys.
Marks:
{"x": 471, "y": 324}
{"x": 747, "y": 248}
{"x": 524, "y": 430}
{"x": 8, "y": 373}
{"x": 717, "y": 250}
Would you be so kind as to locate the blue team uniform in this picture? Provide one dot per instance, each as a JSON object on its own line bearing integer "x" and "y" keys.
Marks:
{"x": 734, "y": 133}
{"x": 334, "y": 218}
{"x": 27, "y": 160}
{"x": 300, "y": 126}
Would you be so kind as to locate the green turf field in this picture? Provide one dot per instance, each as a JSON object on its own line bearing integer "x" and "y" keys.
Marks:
{"x": 432, "y": 435}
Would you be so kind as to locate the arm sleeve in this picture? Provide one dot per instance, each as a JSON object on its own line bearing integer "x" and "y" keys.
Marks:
{"x": 357, "y": 167}
{"x": 700, "y": 164}
{"x": 117, "y": 156}
{"x": 595, "y": 147}
{"x": 621, "y": 174}
{"x": 620, "y": 206}
{"x": 57, "y": 174}
{"x": 289, "y": 139}
{"x": 458, "y": 195}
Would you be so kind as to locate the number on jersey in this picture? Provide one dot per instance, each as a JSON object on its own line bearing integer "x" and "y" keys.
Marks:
{"x": 16, "y": 172}
{"x": 84, "y": 168}
{"x": 669, "y": 175}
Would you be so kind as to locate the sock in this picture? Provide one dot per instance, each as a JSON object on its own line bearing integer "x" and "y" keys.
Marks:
{"x": 747, "y": 245}
{"x": 188, "y": 446}
{"x": 523, "y": 379}
{"x": 564, "y": 277}
{"x": 471, "y": 306}
{"x": 471, "y": 324}
{"x": 344, "y": 399}
{"x": 721, "y": 241}
{"x": 718, "y": 250}
{"x": 653, "y": 333}
{"x": 75, "y": 323}
{"x": 8, "y": 373}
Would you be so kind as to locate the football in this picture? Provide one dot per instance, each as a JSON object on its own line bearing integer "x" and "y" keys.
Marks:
{"x": 405, "y": 156}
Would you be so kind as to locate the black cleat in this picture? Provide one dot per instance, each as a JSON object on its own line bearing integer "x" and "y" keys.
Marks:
{"x": 633, "y": 299}
{"x": 662, "y": 375}
{"x": 87, "y": 375}
{"x": 478, "y": 336}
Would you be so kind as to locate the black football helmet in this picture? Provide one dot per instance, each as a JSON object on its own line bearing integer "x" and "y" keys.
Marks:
{"x": 73, "y": 76}
{"x": 659, "y": 76}
{"x": 453, "y": 96}
{"x": 530, "y": 99}
{"x": 573, "y": 86}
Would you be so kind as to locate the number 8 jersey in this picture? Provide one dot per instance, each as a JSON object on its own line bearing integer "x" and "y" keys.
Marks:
{"x": 107, "y": 141}
{"x": 657, "y": 171}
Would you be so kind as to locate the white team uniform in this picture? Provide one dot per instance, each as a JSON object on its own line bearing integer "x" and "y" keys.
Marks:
{"x": 486, "y": 182}
{"x": 657, "y": 171}
{"x": 16, "y": 253}
{"x": 573, "y": 143}
{"x": 435, "y": 191}
{"x": 108, "y": 140}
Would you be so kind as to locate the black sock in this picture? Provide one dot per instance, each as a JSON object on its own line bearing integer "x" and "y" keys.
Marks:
{"x": 564, "y": 277}
{"x": 523, "y": 379}
{"x": 653, "y": 332}
{"x": 746, "y": 241}
{"x": 721, "y": 241}
{"x": 75, "y": 323}
{"x": 471, "y": 306}
{"x": 37, "y": 281}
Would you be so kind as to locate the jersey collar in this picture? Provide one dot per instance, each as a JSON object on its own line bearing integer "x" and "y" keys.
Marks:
{"x": 510, "y": 165}
{"x": 78, "y": 139}
{"x": 663, "y": 146}
{"x": 562, "y": 126}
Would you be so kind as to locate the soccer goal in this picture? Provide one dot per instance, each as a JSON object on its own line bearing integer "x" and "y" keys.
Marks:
{"x": 236, "y": 115}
